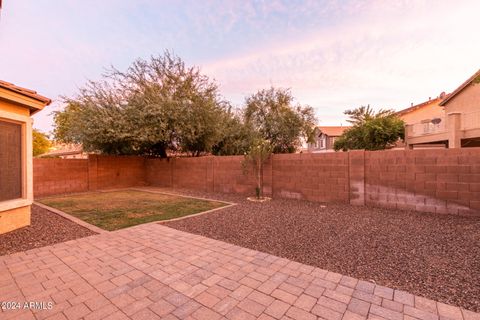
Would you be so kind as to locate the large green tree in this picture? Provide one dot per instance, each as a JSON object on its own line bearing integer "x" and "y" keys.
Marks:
{"x": 237, "y": 136}
{"x": 41, "y": 143}
{"x": 154, "y": 106}
{"x": 371, "y": 130}
{"x": 275, "y": 117}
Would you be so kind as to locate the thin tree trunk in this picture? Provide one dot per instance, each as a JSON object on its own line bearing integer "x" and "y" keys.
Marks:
{"x": 261, "y": 180}
{"x": 163, "y": 153}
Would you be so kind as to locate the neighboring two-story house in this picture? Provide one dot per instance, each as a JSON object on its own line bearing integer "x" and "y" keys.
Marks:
{"x": 424, "y": 117}
{"x": 325, "y": 138}
{"x": 456, "y": 126}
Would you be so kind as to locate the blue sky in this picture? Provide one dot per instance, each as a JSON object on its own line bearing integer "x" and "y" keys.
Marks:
{"x": 334, "y": 55}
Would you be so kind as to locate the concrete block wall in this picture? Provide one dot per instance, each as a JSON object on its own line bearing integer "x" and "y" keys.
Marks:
{"x": 192, "y": 173}
{"x": 229, "y": 176}
{"x": 212, "y": 174}
{"x": 63, "y": 176}
{"x": 320, "y": 177}
{"x": 159, "y": 172}
{"x": 58, "y": 176}
{"x": 118, "y": 172}
{"x": 438, "y": 181}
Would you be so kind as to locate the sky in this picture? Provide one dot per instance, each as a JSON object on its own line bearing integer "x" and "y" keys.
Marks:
{"x": 332, "y": 54}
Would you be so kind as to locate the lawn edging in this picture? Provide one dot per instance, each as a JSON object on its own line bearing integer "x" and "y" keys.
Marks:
{"x": 99, "y": 230}
{"x": 180, "y": 195}
{"x": 71, "y": 218}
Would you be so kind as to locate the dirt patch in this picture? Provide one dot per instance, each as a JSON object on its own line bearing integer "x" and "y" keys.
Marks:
{"x": 46, "y": 228}
{"x": 435, "y": 256}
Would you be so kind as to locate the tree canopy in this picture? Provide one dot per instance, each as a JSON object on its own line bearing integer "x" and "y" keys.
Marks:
{"x": 274, "y": 117}
{"x": 40, "y": 143}
{"x": 237, "y": 136}
{"x": 161, "y": 105}
{"x": 371, "y": 130}
{"x": 154, "y": 106}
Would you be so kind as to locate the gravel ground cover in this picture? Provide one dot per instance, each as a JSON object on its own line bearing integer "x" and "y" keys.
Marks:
{"x": 46, "y": 228}
{"x": 435, "y": 256}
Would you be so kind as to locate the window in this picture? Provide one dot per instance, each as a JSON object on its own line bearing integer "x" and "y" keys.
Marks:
{"x": 10, "y": 160}
{"x": 322, "y": 142}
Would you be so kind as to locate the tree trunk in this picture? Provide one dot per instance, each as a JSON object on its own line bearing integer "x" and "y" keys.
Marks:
{"x": 162, "y": 152}
{"x": 261, "y": 180}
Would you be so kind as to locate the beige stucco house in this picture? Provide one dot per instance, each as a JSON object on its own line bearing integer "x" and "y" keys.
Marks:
{"x": 423, "y": 117}
{"x": 17, "y": 104}
{"x": 423, "y": 112}
{"x": 457, "y": 125}
{"x": 325, "y": 138}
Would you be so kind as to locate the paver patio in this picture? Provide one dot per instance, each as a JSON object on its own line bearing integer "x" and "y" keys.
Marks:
{"x": 152, "y": 271}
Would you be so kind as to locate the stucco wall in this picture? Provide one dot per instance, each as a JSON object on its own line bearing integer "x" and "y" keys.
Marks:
{"x": 466, "y": 101}
{"x": 429, "y": 111}
{"x": 14, "y": 219}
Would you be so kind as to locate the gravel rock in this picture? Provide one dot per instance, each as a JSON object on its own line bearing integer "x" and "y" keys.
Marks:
{"x": 46, "y": 228}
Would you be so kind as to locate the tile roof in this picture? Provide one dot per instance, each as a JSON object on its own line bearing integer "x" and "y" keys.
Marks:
{"x": 423, "y": 104}
{"x": 333, "y": 131}
{"x": 24, "y": 91}
{"x": 460, "y": 89}
{"x": 62, "y": 149}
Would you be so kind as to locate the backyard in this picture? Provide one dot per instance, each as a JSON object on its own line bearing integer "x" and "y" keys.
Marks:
{"x": 239, "y": 160}
{"x": 436, "y": 256}
{"x": 280, "y": 258}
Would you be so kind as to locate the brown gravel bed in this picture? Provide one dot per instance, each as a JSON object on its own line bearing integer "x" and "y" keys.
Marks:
{"x": 46, "y": 228}
{"x": 435, "y": 256}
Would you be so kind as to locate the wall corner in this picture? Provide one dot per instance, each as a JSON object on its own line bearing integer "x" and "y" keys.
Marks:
{"x": 92, "y": 172}
{"x": 356, "y": 174}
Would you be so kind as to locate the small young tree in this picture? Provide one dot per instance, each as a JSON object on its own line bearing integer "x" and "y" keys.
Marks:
{"x": 258, "y": 153}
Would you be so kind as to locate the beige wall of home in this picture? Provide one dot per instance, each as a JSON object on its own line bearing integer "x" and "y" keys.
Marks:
{"x": 467, "y": 101}
{"x": 14, "y": 109}
{"x": 429, "y": 111}
{"x": 460, "y": 125}
{"x": 16, "y": 106}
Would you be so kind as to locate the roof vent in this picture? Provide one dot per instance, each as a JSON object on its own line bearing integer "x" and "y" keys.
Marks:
{"x": 442, "y": 95}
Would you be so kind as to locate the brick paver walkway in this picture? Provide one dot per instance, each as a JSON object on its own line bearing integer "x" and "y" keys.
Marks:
{"x": 151, "y": 272}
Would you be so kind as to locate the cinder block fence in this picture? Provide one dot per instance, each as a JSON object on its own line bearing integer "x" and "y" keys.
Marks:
{"x": 438, "y": 181}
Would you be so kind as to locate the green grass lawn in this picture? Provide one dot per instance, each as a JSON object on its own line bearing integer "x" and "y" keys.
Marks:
{"x": 121, "y": 209}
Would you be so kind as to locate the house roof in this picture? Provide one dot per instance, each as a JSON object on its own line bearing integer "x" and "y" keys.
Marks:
{"x": 64, "y": 150}
{"x": 460, "y": 89}
{"x": 333, "y": 131}
{"x": 423, "y": 104}
{"x": 25, "y": 92}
